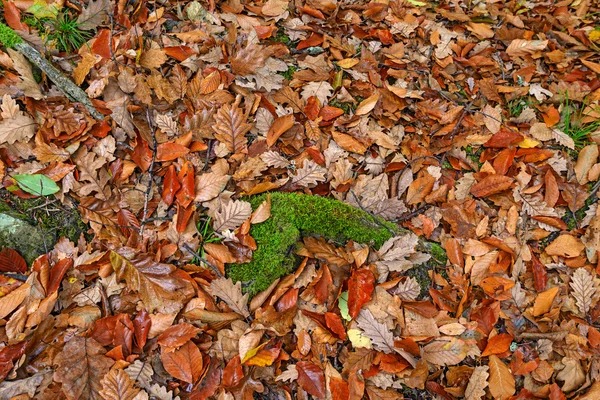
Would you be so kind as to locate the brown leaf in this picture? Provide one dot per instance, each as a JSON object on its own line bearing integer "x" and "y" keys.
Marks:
{"x": 185, "y": 363}
{"x": 160, "y": 286}
{"x": 279, "y": 127}
{"x": 12, "y": 300}
{"x": 311, "y": 378}
{"x": 348, "y": 143}
{"x": 117, "y": 385}
{"x": 249, "y": 59}
{"x": 543, "y": 301}
{"x": 586, "y": 159}
{"x": 491, "y": 184}
{"x": 177, "y": 335}
{"x": 81, "y": 365}
{"x": 565, "y": 246}
{"x": 231, "y": 294}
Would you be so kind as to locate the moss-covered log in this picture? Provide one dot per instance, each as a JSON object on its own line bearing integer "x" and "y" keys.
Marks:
{"x": 295, "y": 215}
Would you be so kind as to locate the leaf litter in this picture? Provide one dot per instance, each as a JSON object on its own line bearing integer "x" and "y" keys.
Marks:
{"x": 470, "y": 125}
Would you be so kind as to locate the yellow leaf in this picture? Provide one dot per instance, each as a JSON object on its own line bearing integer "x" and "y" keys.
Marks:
{"x": 358, "y": 339}
{"x": 528, "y": 143}
{"x": 348, "y": 62}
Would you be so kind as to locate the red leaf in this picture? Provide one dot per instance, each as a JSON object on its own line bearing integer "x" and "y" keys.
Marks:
{"x": 312, "y": 108}
{"x": 57, "y": 273}
{"x": 11, "y": 261}
{"x": 170, "y": 151}
{"x": 103, "y": 330}
{"x": 184, "y": 364}
{"x": 504, "y": 160}
{"x": 183, "y": 217}
{"x": 124, "y": 334}
{"x": 540, "y": 276}
{"x": 102, "y": 45}
{"x": 519, "y": 366}
{"x": 8, "y": 354}
{"x": 454, "y": 252}
{"x": 233, "y": 372}
{"x": 177, "y": 335}
{"x": 141, "y": 327}
{"x": 504, "y": 138}
{"x": 288, "y": 300}
{"x": 360, "y": 287}
{"x": 556, "y": 393}
{"x": 12, "y": 15}
{"x": 490, "y": 185}
{"x": 311, "y": 378}
{"x": 170, "y": 185}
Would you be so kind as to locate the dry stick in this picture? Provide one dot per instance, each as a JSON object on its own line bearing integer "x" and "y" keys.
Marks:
{"x": 150, "y": 172}
{"x": 62, "y": 82}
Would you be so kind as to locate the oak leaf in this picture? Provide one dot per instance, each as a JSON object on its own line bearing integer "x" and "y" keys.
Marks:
{"x": 310, "y": 174}
{"x": 583, "y": 289}
{"x": 15, "y": 126}
{"x": 477, "y": 383}
{"x": 445, "y": 351}
{"x": 231, "y": 215}
{"x": 231, "y": 294}
{"x": 93, "y": 15}
{"x": 249, "y": 59}
{"x": 230, "y": 128}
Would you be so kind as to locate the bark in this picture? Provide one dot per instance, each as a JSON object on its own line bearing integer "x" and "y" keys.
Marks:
{"x": 67, "y": 86}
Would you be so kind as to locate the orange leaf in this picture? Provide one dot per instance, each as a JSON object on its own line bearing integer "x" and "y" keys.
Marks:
{"x": 264, "y": 32}
{"x": 315, "y": 39}
{"x": 170, "y": 151}
{"x": 348, "y": 143}
{"x": 504, "y": 138}
{"x": 419, "y": 188}
{"x": 328, "y": 113}
{"x": 12, "y": 15}
{"x": 311, "y": 378}
{"x": 180, "y": 53}
{"x": 184, "y": 364}
{"x": 454, "y": 252}
{"x": 543, "y": 301}
{"x": 233, "y": 372}
{"x": 170, "y": 185}
{"x": 339, "y": 389}
{"x": 210, "y": 83}
{"x": 498, "y": 344}
{"x": 102, "y": 45}
{"x": 279, "y": 127}
{"x": 490, "y": 185}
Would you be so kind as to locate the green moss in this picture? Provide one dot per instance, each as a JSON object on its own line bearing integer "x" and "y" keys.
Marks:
{"x": 295, "y": 215}
{"x": 289, "y": 74}
{"x": 8, "y": 37}
{"x": 52, "y": 220}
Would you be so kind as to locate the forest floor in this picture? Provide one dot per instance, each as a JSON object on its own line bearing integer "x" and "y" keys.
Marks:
{"x": 471, "y": 127}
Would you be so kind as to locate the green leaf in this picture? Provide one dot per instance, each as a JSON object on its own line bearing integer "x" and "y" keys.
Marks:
{"x": 41, "y": 9}
{"x": 417, "y": 3}
{"x": 343, "y": 304}
{"x": 37, "y": 184}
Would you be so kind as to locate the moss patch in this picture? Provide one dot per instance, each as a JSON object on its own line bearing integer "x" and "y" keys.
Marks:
{"x": 40, "y": 224}
{"x": 295, "y": 215}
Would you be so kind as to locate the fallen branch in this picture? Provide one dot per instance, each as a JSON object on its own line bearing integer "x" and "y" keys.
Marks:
{"x": 11, "y": 40}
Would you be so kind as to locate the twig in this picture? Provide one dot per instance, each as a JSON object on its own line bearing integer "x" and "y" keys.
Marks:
{"x": 150, "y": 172}
{"x": 412, "y": 214}
{"x": 18, "y": 277}
{"x": 212, "y": 266}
